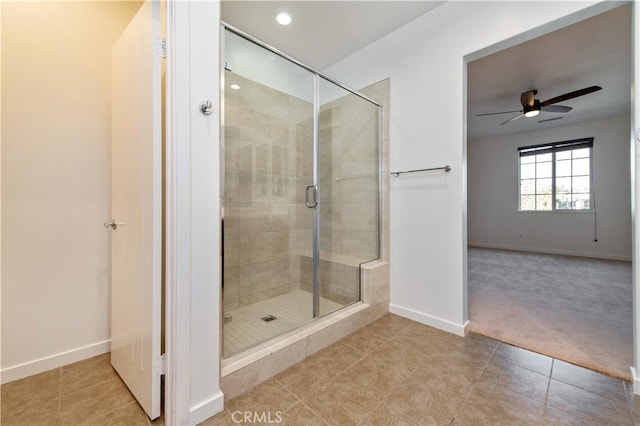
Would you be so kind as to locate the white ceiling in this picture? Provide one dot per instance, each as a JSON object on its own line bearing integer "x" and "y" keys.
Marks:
{"x": 596, "y": 51}
{"x": 322, "y": 32}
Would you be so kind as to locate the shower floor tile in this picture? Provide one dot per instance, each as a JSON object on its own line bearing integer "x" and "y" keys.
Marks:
{"x": 291, "y": 310}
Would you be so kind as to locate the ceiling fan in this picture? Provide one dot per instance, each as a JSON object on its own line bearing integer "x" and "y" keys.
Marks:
{"x": 532, "y": 106}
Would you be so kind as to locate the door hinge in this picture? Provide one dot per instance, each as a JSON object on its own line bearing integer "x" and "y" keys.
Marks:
{"x": 162, "y": 365}
{"x": 159, "y": 47}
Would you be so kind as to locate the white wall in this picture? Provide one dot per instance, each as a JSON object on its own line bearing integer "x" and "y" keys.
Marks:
{"x": 192, "y": 190}
{"x": 494, "y": 220}
{"x": 426, "y": 63}
{"x": 56, "y": 180}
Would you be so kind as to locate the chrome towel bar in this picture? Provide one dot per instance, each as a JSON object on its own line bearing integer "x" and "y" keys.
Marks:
{"x": 446, "y": 168}
{"x": 338, "y": 179}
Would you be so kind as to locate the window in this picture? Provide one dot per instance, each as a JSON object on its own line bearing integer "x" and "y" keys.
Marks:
{"x": 556, "y": 176}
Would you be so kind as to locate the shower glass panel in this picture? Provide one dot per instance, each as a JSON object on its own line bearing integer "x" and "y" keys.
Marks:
{"x": 300, "y": 202}
{"x": 348, "y": 191}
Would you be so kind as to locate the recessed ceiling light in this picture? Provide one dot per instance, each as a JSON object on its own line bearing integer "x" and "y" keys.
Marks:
{"x": 283, "y": 18}
{"x": 235, "y": 86}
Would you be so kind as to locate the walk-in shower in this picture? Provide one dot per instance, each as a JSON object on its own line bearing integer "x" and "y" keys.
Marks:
{"x": 301, "y": 185}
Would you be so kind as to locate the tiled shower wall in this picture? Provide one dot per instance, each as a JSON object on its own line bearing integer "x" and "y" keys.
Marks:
{"x": 268, "y": 164}
{"x": 380, "y": 92}
{"x": 349, "y": 177}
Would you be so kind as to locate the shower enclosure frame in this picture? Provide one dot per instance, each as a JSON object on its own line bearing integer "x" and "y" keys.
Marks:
{"x": 317, "y": 76}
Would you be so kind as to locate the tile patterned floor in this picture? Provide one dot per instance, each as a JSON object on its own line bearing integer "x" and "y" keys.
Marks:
{"x": 392, "y": 372}
{"x": 85, "y": 393}
{"x": 399, "y": 372}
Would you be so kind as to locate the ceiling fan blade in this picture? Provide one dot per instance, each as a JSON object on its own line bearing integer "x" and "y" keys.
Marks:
{"x": 527, "y": 99}
{"x": 496, "y": 113}
{"x": 571, "y": 95}
{"x": 557, "y": 108}
{"x": 512, "y": 119}
{"x": 549, "y": 119}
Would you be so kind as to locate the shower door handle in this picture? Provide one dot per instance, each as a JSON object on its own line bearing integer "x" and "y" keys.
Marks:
{"x": 314, "y": 198}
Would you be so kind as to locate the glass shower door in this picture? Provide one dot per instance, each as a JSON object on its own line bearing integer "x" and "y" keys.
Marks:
{"x": 268, "y": 162}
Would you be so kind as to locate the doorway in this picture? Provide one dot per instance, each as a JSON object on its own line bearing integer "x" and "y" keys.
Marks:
{"x": 536, "y": 278}
{"x": 57, "y": 195}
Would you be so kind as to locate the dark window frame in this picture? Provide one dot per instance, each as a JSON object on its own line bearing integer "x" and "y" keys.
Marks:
{"x": 553, "y": 149}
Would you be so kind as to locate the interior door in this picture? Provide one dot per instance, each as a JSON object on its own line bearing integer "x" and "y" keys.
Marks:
{"x": 137, "y": 208}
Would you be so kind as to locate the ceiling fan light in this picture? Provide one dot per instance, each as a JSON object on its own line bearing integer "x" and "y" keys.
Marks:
{"x": 532, "y": 113}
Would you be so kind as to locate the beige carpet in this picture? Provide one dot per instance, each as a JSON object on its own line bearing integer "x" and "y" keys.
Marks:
{"x": 575, "y": 309}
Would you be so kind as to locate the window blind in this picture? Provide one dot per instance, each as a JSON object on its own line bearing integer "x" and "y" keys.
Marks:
{"x": 555, "y": 147}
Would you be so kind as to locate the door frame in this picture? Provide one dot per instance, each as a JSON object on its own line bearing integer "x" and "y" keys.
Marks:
{"x": 634, "y": 159}
{"x": 635, "y": 189}
{"x": 192, "y": 237}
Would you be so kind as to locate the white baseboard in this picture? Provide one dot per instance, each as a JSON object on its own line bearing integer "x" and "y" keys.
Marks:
{"x": 636, "y": 381}
{"x": 465, "y": 327}
{"x": 207, "y": 409}
{"x": 20, "y": 371}
{"x": 439, "y": 323}
{"x": 551, "y": 251}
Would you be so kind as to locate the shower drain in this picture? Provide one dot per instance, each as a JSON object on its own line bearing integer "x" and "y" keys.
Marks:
{"x": 268, "y": 318}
